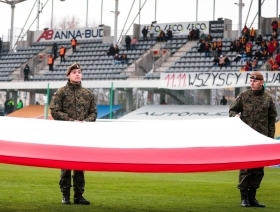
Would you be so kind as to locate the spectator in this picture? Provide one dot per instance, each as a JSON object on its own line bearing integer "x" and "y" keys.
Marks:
{"x": 252, "y": 34}
{"x": 152, "y": 32}
{"x": 227, "y": 61}
{"x": 274, "y": 35}
{"x": 202, "y": 47}
{"x": 271, "y": 49}
{"x": 248, "y": 49}
{"x": 275, "y": 43}
{"x": 144, "y": 33}
{"x": 246, "y": 32}
{"x": 192, "y": 34}
{"x": 232, "y": 47}
{"x": 243, "y": 57}
{"x": 238, "y": 57}
{"x": 19, "y": 104}
{"x": 223, "y": 101}
{"x": 207, "y": 49}
{"x": 258, "y": 55}
{"x": 133, "y": 43}
{"x": 127, "y": 42}
{"x": 216, "y": 61}
{"x": 62, "y": 51}
{"x": 202, "y": 36}
{"x": 264, "y": 54}
{"x": 161, "y": 36}
{"x": 254, "y": 65}
{"x": 273, "y": 64}
{"x": 264, "y": 44}
{"x": 277, "y": 59}
{"x": 37, "y": 103}
{"x": 221, "y": 61}
{"x": 74, "y": 44}
{"x": 248, "y": 66}
{"x": 243, "y": 42}
{"x": 50, "y": 62}
{"x": 220, "y": 47}
{"x": 111, "y": 51}
{"x": 117, "y": 59}
{"x": 209, "y": 38}
{"x": 54, "y": 50}
{"x": 274, "y": 26}
{"x": 259, "y": 40}
{"x": 26, "y": 71}
{"x": 238, "y": 46}
{"x": 117, "y": 51}
{"x": 169, "y": 35}
{"x": 123, "y": 59}
{"x": 214, "y": 49}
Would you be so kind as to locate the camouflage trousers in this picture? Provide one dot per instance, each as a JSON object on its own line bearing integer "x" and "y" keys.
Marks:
{"x": 78, "y": 182}
{"x": 250, "y": 178}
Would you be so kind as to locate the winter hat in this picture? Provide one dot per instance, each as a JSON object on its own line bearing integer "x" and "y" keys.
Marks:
{"x": 72, "y": 67}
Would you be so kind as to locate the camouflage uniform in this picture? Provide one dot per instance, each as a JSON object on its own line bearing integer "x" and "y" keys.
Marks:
{"x": 257, "y": 111}
{"x": 73, "y": 102}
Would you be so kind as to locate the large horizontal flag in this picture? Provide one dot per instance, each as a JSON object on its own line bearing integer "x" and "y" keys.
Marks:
{"x": 144, "y": 146}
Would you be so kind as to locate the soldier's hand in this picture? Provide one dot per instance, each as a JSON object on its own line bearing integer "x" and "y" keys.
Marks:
{"x": 237, "y": 115}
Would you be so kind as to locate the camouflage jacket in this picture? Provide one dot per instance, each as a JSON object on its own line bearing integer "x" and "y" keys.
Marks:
{"x": 257, "y": 110}
{"x": 73, "y": 102}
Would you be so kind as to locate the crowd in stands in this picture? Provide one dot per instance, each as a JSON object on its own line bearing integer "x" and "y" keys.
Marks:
{"x": 162, "y": 36}
{"x": 265, "y": 49}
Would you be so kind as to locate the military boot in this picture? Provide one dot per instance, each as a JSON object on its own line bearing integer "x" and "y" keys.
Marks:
{"x": 66, "y": 200}
{"x": 244, "y": 198}
{"x": 79, "y": 199}
{"x": 252, "y": 198}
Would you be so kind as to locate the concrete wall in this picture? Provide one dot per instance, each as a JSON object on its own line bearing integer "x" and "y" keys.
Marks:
{"x": 146, "y": 62}
{"x": 108, "y": 39}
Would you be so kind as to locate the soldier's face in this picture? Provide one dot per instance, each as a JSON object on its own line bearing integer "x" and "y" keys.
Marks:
{"x": 75, "y": 76}
{"x": 256, "y": 84}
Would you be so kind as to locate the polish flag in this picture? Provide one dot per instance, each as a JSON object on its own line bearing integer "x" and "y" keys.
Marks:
{"x": 146, "y": 146}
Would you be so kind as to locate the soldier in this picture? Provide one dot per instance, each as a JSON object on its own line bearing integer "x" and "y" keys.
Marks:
{"x": 73, "y": 103}
{"x": 256, "y": 108}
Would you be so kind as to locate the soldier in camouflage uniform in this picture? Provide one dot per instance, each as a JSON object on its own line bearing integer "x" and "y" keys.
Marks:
{"x": 73, "y": 103}
{"x": 255, "y": 108}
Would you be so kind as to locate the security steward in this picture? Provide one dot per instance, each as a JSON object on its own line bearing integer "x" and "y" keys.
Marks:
{"x": 255, "y": 108}
{"x": 73, "y": 103}
{"x": 50, "y": 62}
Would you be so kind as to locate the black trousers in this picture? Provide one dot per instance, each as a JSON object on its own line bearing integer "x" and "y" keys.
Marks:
{"x": 78, "y": 182}
{"x": 26, "y": 78}
{"x": 62, "y": 58}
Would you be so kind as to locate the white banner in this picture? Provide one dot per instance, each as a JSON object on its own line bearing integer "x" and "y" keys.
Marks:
{"x": 213, "y": 80}
{"x": 179, "y": 28}
{"x": 177, "y": 112}
{"x": 67, "y": 34}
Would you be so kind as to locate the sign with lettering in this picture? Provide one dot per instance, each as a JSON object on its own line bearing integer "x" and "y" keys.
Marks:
{"x": 178, "y": 112}
{"x": 216, "y": 27}
{"x": 52, "y": 35}
{"x": 213, "y": 80}
{"x": 180, "y": 28}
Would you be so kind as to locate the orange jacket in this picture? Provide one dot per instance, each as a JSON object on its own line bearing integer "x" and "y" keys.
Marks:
{"x": 62, "y": 51}
{"x": 73, "y": 42}
{"x": 252, "y": 32}
{"x": 50, "y": 61}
